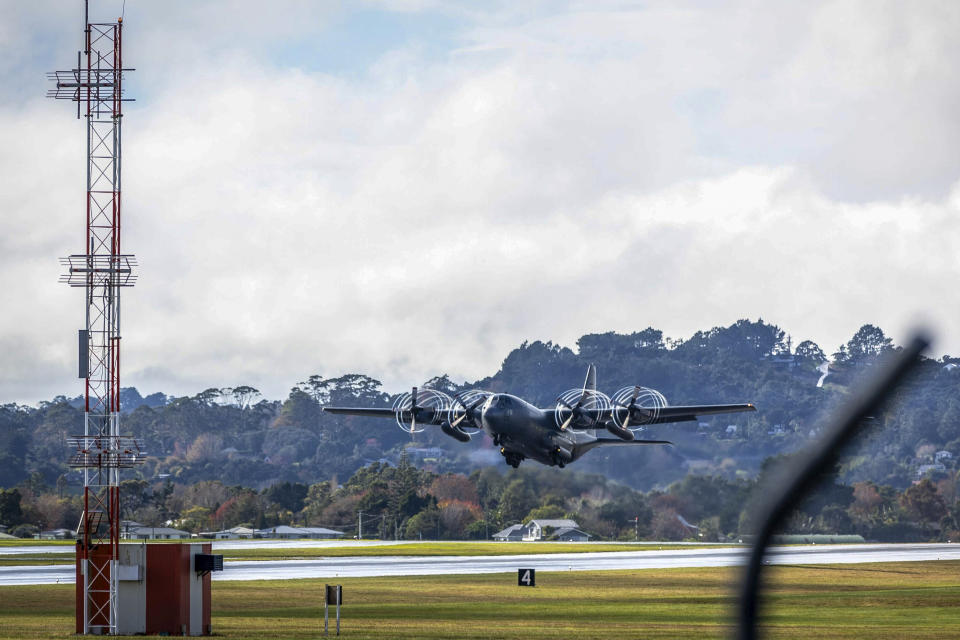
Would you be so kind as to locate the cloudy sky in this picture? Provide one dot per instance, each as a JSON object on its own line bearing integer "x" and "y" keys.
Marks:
{"x": 411, "y": 187}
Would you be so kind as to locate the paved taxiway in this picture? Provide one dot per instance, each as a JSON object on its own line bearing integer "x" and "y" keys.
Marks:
{"x": 448, "y": 565}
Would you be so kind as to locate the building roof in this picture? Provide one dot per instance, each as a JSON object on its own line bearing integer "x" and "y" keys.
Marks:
{"x": 568, "y": 530}
{"x": 321, "y": 530}
{"x": 514, "y": 528}
{"x": 556, "y": 524}
{"x": 167, "y": 531}
{"x": 299, "y": 531}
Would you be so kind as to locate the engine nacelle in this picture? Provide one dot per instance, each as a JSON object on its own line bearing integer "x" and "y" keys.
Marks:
{"x": 454, "y": 432}
{"x": 563, "y": 455}
{"x": 579, "y": 409}
{"x": 623, "y": 434}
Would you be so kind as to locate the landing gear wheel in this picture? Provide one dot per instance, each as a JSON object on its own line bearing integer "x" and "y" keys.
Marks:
{"x": 513, "y": 459}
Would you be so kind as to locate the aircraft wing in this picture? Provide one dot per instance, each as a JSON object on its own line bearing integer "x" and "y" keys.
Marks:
{"x": 692, "y": 412}
{"x": 602, "y": 441}
{"x": 425, "y": 415}
{"x": 646, "y": 416}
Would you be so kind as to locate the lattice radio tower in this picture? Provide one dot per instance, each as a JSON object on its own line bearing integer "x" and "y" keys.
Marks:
{"x": 101, "y": 270}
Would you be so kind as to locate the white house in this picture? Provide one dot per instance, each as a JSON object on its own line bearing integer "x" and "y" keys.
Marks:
{"x": 544, "y": 528}
{"x": 940, "y": 456}
{"x": 924, "y": 469}
{"x": 233, "y": 533}
{"x": 55, "y": 534}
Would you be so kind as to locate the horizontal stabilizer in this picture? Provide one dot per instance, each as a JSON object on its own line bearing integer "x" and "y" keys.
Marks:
{"x": 599, "y": 442}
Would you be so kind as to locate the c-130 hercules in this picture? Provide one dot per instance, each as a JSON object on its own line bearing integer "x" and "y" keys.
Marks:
{"x": 554, "y": 437}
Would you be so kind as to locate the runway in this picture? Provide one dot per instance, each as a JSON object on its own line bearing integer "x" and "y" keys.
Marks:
{"x": 351, "y": 567}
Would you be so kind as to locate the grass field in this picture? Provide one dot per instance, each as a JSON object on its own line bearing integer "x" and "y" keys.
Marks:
{"x": 400, "y": 549}
{"x": 445, "y": 549}
{"x": 890, "y": 600}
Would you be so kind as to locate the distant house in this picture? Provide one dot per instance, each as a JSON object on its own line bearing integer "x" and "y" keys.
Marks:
{"x": 55, "y": 534}
{"x": 732, "y": 430}
{"x": 545, "y": 528}
{"x": 513, "y": 533}
{"x": 941, "y": 456}
{"x": 570, "y": 534}
{"x": 426, "y": 453}
{"x": 924, "y": 469}
{"x": 232, "y": 533}
{"x": 784, "y": 359}
{"x": 285, "y": 532}
{"x": 154, "y": 533}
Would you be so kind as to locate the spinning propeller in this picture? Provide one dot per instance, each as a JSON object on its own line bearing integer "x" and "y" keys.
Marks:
{"x": 456, "y": 416}
{"x": 636, "y": 406}
{"x": 462, "y": 409}
{"x": 582, "y": 408}
{"x": 423, "y": 405}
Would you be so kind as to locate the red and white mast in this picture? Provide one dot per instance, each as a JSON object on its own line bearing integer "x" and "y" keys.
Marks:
{"x": 101, "y": 271}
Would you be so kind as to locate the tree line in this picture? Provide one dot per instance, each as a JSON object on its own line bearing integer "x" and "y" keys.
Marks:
{"x": 404, "y": 502}
{"x": 234, "y": 439}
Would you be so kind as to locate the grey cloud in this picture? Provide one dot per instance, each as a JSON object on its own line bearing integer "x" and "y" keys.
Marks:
{"x": 675, "y": 167}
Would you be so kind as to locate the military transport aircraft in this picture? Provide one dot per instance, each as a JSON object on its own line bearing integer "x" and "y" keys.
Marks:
{"x": 555, "y": 436}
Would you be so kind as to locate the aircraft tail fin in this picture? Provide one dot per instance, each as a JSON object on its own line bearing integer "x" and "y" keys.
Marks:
{"x": 589, "y": 384}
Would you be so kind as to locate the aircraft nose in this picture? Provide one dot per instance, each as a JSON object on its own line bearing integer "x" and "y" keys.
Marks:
{"x": 487, "y": 411}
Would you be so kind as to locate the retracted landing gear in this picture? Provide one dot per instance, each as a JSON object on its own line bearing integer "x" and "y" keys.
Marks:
{"x": 513, "y": 459}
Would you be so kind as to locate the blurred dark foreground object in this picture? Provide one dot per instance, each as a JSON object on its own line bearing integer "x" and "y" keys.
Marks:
{"x": 806, "y": 472}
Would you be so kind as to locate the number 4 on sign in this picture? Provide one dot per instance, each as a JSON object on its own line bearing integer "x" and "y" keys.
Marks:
{"x": 526, "y": 578}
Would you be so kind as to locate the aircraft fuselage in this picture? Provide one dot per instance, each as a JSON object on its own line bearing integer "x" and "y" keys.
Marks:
{"x": 556, "y": 436}
{"x": 522, "y": 430}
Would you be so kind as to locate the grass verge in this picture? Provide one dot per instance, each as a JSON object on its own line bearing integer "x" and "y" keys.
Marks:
{"x": 400, "y": 549}
{"x": 889, "y": 600}
{"x": 443, "y": 549}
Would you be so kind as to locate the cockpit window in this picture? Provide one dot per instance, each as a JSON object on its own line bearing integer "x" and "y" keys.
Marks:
{"x": 503, "y": 402}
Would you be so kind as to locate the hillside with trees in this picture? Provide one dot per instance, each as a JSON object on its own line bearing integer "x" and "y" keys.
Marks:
{"x": 227, "y": 456}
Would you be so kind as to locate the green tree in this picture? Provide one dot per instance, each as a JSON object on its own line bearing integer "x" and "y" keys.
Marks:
{"x": 10, "y": 510}
{"x": 318, "y": 498}
{"x": 810, "y": 354}
{"x": 425, "y": 524}
{"x": 546, "y": 512}
{"x": 517, "y": 500}
{"x": 867, "y": 343}
{"x": 289, "y": 496}
{"x": 244, "y": 395}
{"x": 922, "y": 503}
